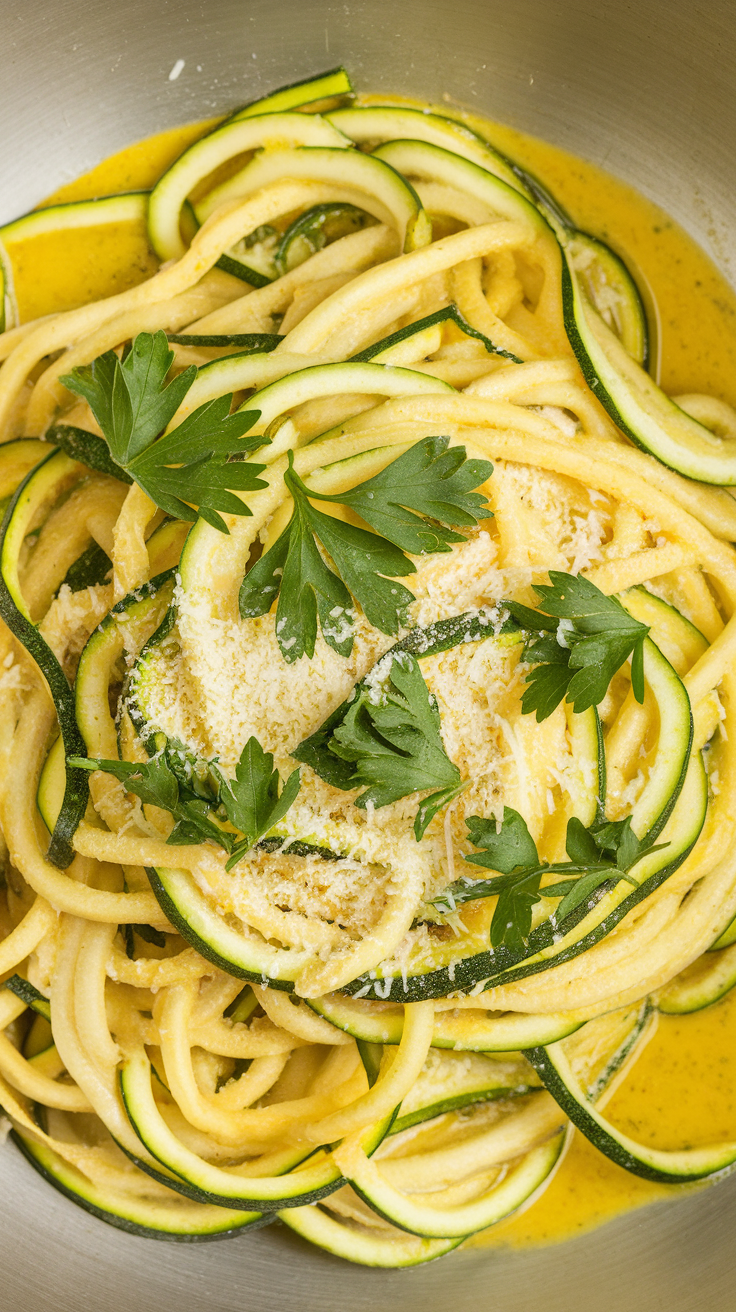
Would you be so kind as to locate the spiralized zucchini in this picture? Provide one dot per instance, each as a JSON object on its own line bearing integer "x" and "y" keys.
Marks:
{"x": 189, "y": 1051}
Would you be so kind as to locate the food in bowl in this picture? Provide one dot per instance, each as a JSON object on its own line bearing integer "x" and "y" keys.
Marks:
{"x": 368, "y": 664}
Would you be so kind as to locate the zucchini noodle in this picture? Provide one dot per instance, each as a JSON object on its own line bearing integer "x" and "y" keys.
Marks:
{"x": 189, "y": 1050}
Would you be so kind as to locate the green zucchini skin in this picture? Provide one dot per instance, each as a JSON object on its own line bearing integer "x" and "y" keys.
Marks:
{"x": 181, "y": 1186}
{"x": 386, "y": 1028}
{"x": 316, "y": 219}
{"x": 692, "y": 992}
{"x": 335, "y": 82}
{"x": 256, "y": 342}
{"x": 502, "y": 966}
{"x": 534, "y": 1169}
{"x": 91, "y": 568}
{"x": 88, "y": 449}
{"x": 644, "y": 422}
{"x": 30, "y": 995}
{"x": 176, "y": 914}
{"x": 387, "y": 123}
{"x": 76, "y": 791}
{"x": 263, "y": 1210}
{"x": 318, "y": 380}
{"x": 73, "y": 1186}
{"x": 438, "y": 132}
{"x": 665, "y": 621}
{"x": 182, "y": 903}
{"x": 555, "y": 214}
{"x": 678, "y": 718}
{"x": 147, "y": 592}
{"x": 635, "y": 329}
{"x": 662, "y": 1167}
{"x": 438, "y": 637}
{"x": 364, "y": 1247}
{"x": 468, "y": 1098}
{"x": 492, "y": 967}
{"x": 447, "y": 314}
{"x": 726, "y": 938}
{"x": 187, "y": 1174}
{"x": 239, "y": 269}
{"x": 228, "y": 139}
{"x": 127, "y": 207}
{"x": 48, "y": 792}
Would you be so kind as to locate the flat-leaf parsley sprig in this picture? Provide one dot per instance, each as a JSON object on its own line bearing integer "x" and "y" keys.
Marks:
{"x": 605, "y": 851}
{"x": 251, "y": 801}
{"x": 580, "y": 639}
{"x": 410, "y": 504}
{"x": 191, "y": 470}
{"x": 391, "y": 736}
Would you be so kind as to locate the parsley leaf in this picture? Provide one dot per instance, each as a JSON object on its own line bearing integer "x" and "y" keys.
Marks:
{"x": 609, "y": 849}
{"x": 512, "y": 851}
{"x": 392, "y": 738}
{"x": 428, "y": 479}
{"x": 251, "y": 800}
{"x": 606, "y": 851}
{"x": 156, "y": 784}
{"x": 192, "y": 466}
{"x": 129, "y": 398}
{"x": 307, "y": 588}
{"x": 432, "y": 478}
{"x": 576, "y": 657}
{"x": 505, "y": 849}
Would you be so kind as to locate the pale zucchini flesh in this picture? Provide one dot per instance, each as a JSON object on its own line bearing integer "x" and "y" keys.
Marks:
{"x": 210, "y": 1183}
{"x": 364, "y": 180}
{"x": 153, "y": 1220}
{"x": 662, "y": 1166}
{"x": 383, "y": 1022}
{"x": 702, "y": 984}
{"x": 336, "y": 82}
{"x": 363, "y": 1244}
{"x": 200, "y": 159}
{"x": 382, "y": 123}
{"x": 634, "y": 401}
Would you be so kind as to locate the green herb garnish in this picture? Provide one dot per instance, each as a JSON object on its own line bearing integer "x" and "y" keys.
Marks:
{"x": 191, "y": 470}
{"x": 156, "y": 784}
{"x": 429, "y": 479}
{"x": 250, "y": 801}
{"x": 581, "y": 638}
{"x": 391, "y": 736}
{"x": 606, "y": 850}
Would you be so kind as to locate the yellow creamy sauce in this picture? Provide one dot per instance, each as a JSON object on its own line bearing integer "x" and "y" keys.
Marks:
{"x": 680, "y": 1093}
{"x": 682, "y": 1090}
{"x": 697, "y": 306}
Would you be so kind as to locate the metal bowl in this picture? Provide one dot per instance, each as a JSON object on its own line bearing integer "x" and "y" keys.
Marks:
{"x": 648, "y": 92}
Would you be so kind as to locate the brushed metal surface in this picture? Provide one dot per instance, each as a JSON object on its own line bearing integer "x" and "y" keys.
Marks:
{"x": 645, "y": 89}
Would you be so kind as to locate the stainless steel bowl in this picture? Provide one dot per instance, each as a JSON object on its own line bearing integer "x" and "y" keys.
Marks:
{"x": 646, "y": 90}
